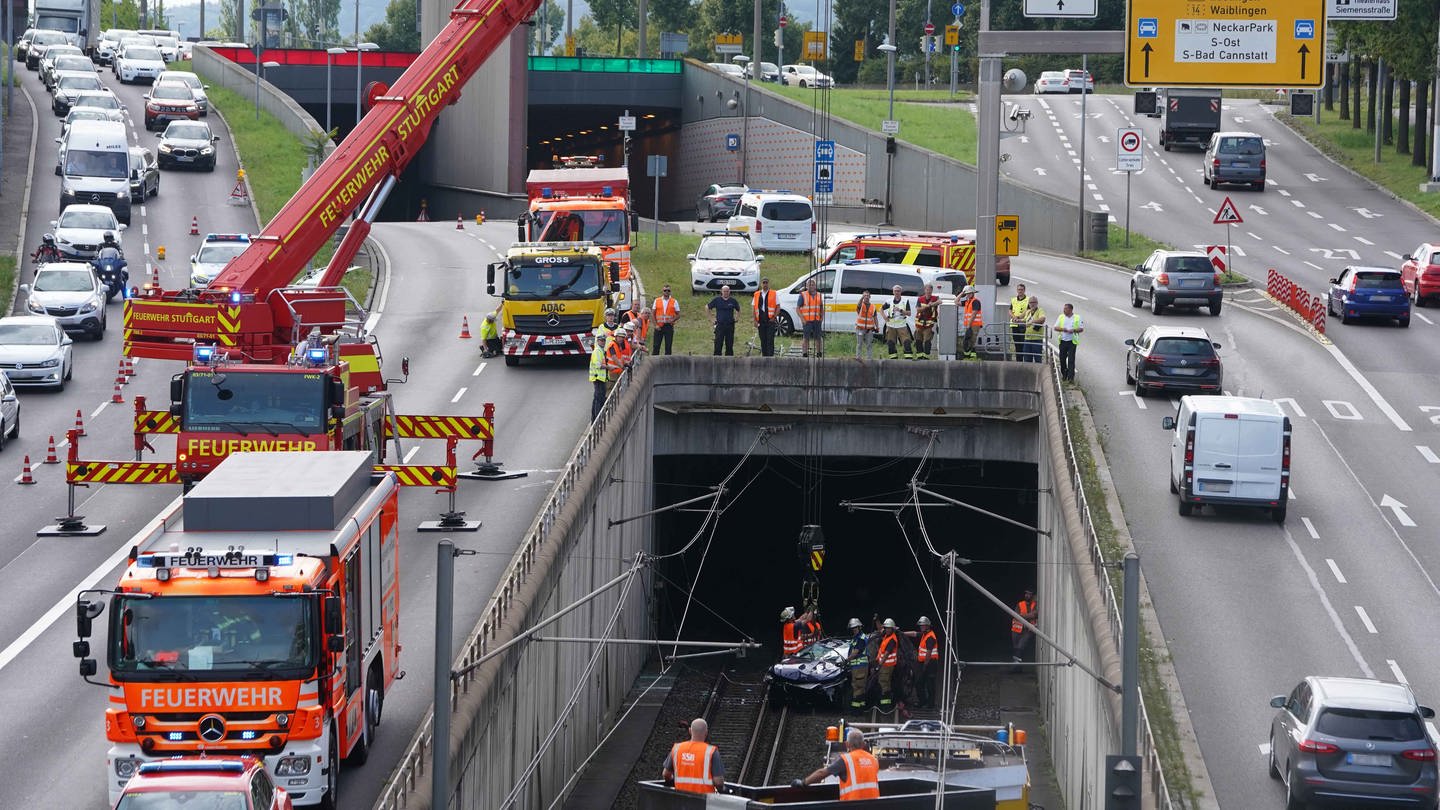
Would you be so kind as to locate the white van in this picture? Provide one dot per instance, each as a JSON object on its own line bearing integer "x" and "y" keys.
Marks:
{"x": 95, "y": 167}
{"x": 1230, "y": 450}
{"x": 840, "y": 285}
{"x": 776, "y": 220}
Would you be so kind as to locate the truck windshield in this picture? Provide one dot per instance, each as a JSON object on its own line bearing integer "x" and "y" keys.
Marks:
{"x": 85, "y": 163}
{"x": 528, "y": 280}
{"x": 274, "y": 402}
{"x": 179, "y": 637}
{"x": 601, "y": 227}
{"x": 69, "y": 25}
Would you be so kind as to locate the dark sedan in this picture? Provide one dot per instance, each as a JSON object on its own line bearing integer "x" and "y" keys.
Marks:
{"x": 1173, "y": 358}
{"x": 817, "y": 674}
{"x": 718, "y": 201}
{"x": 189, "y": 144}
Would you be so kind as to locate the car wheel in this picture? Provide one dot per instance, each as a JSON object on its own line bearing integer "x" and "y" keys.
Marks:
{"x": 1215, "y": 308}
{"x": 332, "y": 779}
{"x": 1135, "y": 296}
{"x": 361, "y": 752}
{"x": 1129, "y": 378}
{"x": 512, "y": 360}
{"x": 3, "y": 434}
{"x": 1167, "y": 147}
{"x": 1329, "y": 306}
{"x": 1174, "y": 490}
{"x": 1274, "y": 767}
{"x": 69, "y": 369}
{"x": 1405, "y": 322}
{"x": 1140, "y": 389}
{"x": 1343, "y": 317}
{"x": 1186, "y": 508}
{"x": 1205, "y": 178}
{"x": 100, "y": 333}
{"x": 1155, "y": 306}
{"x": 1292, "y": 802}
{"x": 1277, "y": 514}
{"x": 784, "y": 325}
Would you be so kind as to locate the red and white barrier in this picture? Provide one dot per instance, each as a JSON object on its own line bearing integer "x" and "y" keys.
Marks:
{"x": 1297, "y": 299}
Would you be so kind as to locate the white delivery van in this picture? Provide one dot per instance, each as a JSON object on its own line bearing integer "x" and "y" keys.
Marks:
{"x": 841, "y": 284}
{"x": 776, "y": 220}
{"x": 95, "y": 168}
{"x": 1232, "y": 451}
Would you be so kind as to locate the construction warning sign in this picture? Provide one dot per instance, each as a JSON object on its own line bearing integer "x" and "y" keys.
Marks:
{"x": 1254, "y": 43}
{"x": 1227, "y": 215}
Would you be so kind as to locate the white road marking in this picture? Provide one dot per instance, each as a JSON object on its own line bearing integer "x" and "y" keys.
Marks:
{"x": 1336, "y": 227}
{"x": 1283, "y": 192}
{"x": 1281, "y": 250}
{"x": 1296, "y": 203}
{"x": 1316, "y": 266}
{"x": 1362, "y": 240}
{"x": 1369, "y": 389}
{"x": 411, "y": 454}
{"x": 1335, "y": 569}
{"x": 144, "y": 229}
{"x": 66, "y": 605}
{"x": 1365, "y": 620}
{"x": 1395, "y": 670}
{"x": 1340, "y": 409}
{"x": 1310, "y": 527}
{"x": 1290, "y": 493}
{"x": 1314, "y": 215}
{"x": 1074, "y": 295}
{"x": 1387, "y": 502}
{"x": 1396, "y": 256}
{"x": 382, "y": 297}
{"x": 1265, "y": 749}
{"x": 1329, "y": 608}
{"x": 1294, "y": 406}
{"x": 97, "y": 411}
{"x": 459, "y": 394}
{"x": 1254, "y": 236}
{"x": 481, "y": 367}
{"x": 1423, "y": 318}
{"x": 1136, "y": 397}
{"x": 1428, "y": 454}
{"x": 1123, "y": 312}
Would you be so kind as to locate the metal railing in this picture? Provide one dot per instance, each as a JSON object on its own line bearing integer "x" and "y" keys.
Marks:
{"x": 411, "y": 771}
{"x": 1149, "y": 754}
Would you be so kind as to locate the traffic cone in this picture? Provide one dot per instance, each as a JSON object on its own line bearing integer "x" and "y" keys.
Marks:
{"x": 25, "y": 476}
{"x": 79, "y": 424}
{"x": 155, "y": 275}
{"x": 480, "y": 218}
{"x": 129, "y": 365}
{"x": 424, "y": 212}
{"x": 459, "y": 223}
{"x": 51, "y": 456}
{"x": 195, "y": 225}
{"x": 120, "y": 378}
{"x": 117, "y": 397}
{"x": 464, "y": 327}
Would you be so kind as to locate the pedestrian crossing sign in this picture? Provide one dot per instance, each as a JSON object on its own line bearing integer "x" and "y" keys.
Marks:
{"x": 1227, "y": 215}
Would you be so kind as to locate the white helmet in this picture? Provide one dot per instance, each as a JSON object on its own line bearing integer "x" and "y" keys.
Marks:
{"x": 969, "y": 290}
{"x": 787, "y": 614}
{"x": 889, "y": 624}
{"x": 854, "y": 624}
{"x": 924, "y": 622}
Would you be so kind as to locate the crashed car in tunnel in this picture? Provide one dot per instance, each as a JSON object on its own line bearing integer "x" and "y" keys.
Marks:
{"x": 817, "y": 674}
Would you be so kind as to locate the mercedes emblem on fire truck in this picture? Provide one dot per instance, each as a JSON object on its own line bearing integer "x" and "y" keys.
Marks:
{"x": 211, "y": 728}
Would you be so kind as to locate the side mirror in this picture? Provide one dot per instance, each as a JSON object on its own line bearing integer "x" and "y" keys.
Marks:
{"x": 177, "y": 388}
{"x": 332, "y": 615}
{"x": 1334, "y": 281}
{"x": 1427, "y": 712}
{"x": 1139, "y": 268}
{"x": 520, "y": 229}
{"x": 123, "y": 226}
{"x": 66, "y": 341}
{"x": 24, "y": 289}
{"x": 60, "y": 140}
{"x": 54, "y": 223}
{"x": 1278, "y": 702}
{"x": 335, "y": 643}
{"x": 1216, "y": 345}
{"x": 85, "y": 613}
{"x": 1168, "y": 423}
{"x": 690, "y": 257}
{"x": 159, "y": 134}
{"x": 87, "y": 668}
{"x": 1407, "y": 258}
{"x": 1129, "y": 341}
{"x": 337, "y": 392}
{"x": 759, "y": 259}
{"x": 405, "y": 365}
{"x": 192, "y": 258}
{"x": 214, "y": 138}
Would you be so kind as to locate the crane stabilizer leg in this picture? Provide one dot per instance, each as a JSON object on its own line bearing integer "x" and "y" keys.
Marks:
{"x": 71, "y": 524}
{"x": 452, "y": 520}
{"x": 490, "y": 469}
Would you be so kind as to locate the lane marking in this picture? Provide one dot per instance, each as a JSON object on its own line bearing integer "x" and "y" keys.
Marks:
{"x": 1283, "y": 251}
{"x": 1310, "y": 527}
{"x": 97, "y": 411}
{"x": 66, "y": 605}
{"x": 1428, "y": 454}
{"x": 411, "y": 454}
{"x": 1365, "y": 620}
{"x": 1345, "y": 636}
{"x": 1365, "y": 386}
{"x": 1316, "y": 266}
{"x": 1395, "y": 670}
{"x": 1138, "y": 400}
{"x": 1423, "y": 318}
{"x": 1362, "y": 240}
{"x": 458, "y": 395}
{"x": 1123, "y": 312}
{"x": 1396, "y": 256}
{"x": 1335, "y": 226}
{"x": 478, "y": 369}
{"x": 384, "y": 294}
{"x": 1335, "y": 569}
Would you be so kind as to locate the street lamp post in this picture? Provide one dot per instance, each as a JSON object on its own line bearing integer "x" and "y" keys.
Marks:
{"x": 330, "y": 54}
{"x": 258, "y": 67}
{"x": 359, "y": 59}
{"x": 744, "y": 61}
{"x": 889, "y": 49}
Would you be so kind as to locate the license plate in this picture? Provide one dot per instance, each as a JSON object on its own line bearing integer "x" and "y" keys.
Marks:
{"x": 552, "y": 342}
{"x": 1215, "y": 486}
{"x": 1369, "y": 760}
{"x": 1237, "y": 165}
{"x": 1381, "y": 298}
{"x": 785, "y": 236}
{"x": 184, "y": 158}
{"x": 1185, "y": 372}
{"x": 1190, "y": 282}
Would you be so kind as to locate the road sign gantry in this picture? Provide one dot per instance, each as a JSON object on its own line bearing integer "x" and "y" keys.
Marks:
{"x": 1259, "y": 43}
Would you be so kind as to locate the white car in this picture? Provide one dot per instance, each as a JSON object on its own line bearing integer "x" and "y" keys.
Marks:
{"x": 169, "y": 46}
{"x": 1081, "y": 81}
{"x": 803, "y": 76}
{"x": 34, "y": 350}
{"x": 1052, "y": 81}
{"x": 190, "y": 80}
{"x": 110, "y": 43}
{"x": 71, "y": 293}
{"x": 81, "y": 229}
{"x": 724, "y": 258}
{"x": 9, "y": 411}
{"x": 136, "y": 62}
{"x": 215, "y": 252}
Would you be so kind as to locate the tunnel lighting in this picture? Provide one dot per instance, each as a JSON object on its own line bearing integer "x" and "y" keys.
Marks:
{"x": 602, "y": 129}
{"x": 649, "y": 115}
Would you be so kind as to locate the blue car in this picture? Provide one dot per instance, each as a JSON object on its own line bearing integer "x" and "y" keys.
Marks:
{"x": 1368, "y": 292}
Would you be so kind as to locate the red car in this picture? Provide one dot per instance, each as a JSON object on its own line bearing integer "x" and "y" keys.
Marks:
{"x": 169, "y": 101}
{"x": 1421, "y": 273}
{"x": 222, "y": 783}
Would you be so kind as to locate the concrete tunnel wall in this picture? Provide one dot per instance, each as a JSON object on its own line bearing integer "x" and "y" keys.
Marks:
{"x": 506, "y": 708}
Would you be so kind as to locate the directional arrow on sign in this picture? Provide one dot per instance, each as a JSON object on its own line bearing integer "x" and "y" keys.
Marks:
{"x": 1039, "y": 171}
{"x": 1261, "y": 211}
{"x": 1147, "y": 49}
{"x": 1304, "y": 53}
{"x": 1398, "y": 508}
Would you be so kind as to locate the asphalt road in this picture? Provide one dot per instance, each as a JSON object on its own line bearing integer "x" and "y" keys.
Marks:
{"x": 55, "y": 754}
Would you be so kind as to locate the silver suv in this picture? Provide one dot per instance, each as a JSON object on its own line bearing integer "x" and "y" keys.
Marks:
{"x": 1357, "y": 741}
{"x": 1172, "y": 278}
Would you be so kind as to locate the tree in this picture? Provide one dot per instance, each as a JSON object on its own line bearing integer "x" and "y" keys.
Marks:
{"x": 397, "y": 32}
{"x": 615, "y": 16}
{"x": 672, "y": 15}
{"x": 549, "y": 26}
{"x": 123, "y": 14}
{"x": 857, "y": 20}
{"x": 314, "y": 23}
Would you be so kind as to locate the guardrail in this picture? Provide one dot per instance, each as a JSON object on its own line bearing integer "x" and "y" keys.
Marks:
{"x": 1149, "y": 754}
{"x": 413, "y": 765}
{"x": 1296, "y": 298}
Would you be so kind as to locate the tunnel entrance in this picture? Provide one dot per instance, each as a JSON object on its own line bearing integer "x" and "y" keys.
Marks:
{"x": 555, "y": 132}
{"x": 873, "y": 566}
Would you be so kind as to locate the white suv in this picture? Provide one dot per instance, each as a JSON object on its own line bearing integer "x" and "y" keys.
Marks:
{"x": 136, "y": 62}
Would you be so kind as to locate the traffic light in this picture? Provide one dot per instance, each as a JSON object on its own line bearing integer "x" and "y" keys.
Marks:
{"x": 890, "y": 145}
{"x": 1302, "y": 104}
{"x": 777, "y": 40}
{"x": 1122, "y": 782}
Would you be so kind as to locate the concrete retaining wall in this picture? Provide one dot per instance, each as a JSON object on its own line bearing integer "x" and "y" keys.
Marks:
{"x": 218, "y": 71}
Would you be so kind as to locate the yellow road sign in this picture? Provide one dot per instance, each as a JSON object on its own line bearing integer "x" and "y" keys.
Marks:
{"x": 569, "y": 46}
{"x": 1007, "y": 235}
{"x": 814, "y": 45}
{"x": 1258, "y": 43}
{"x": 859, "y": 50}
{"x": 952, "y": 35}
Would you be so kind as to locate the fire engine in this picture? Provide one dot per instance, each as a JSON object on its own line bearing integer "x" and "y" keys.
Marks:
{"x": 553, "y": 295}
{"x": 259, "y": 617}
{"x": 588, "y": 204}
{"x": 251, "y": 316}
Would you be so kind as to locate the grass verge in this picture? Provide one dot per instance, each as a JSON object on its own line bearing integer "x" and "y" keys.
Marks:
{"x": 273, "y": 159}
{"x": 1355, "y": 150}
{"x": 945, "y": 129}
{"x": 7, "y": 281}
{"x": 1152, "y": 687}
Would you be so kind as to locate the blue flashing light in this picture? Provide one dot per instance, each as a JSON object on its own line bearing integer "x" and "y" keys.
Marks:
{"x": 317, "y": 355}
{"x": 204, "y": 354}
{"x": 247, "y": 735}
{"x": 235, "y": 297}
{"x": 607, "y": 191}
{"x": 547, "y": 192}
{"x": 284, "y": 559}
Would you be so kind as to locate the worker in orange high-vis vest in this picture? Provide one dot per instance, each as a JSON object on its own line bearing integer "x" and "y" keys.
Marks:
{"x": 764, "y": 310}
{"x": 927, "y": 663}
{"x": 1021, "y": 637}
{"x": 857, "y": 769}
{"x": 885, "y": 663}
{"x": 790, "y": 643}
{"x": 621, "y": 350}
{"x": 642, "y": 318}
{"x": 667, "y": 312}
{"x": 694, "y": 766}
{"x": 972, "y": 318}
{"x": 812, "y": 319}
{"x": 866, "y": 325}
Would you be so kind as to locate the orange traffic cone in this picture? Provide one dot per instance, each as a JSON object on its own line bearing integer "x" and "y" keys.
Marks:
{"x": 120, "y": 378}
{"x": 25, "y": 476}
{"x": 464, "y": 327}
{"x": 79, "y": 424}
{"x": 459, "y": 223}
{"x": 129, "y": 366}
{"x": 51, "y": 456}
{"x": 155, "y": 275}
{"x": 195, "y": 226}
{"x": 424, "y": 212}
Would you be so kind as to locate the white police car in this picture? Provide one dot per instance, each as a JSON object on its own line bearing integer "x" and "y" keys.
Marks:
{"x": 724, "y": 258}
{"x": 215, "y": 251}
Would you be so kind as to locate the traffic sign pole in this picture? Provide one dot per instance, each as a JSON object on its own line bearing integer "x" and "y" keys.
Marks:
{"x": 1128, "y": 177}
